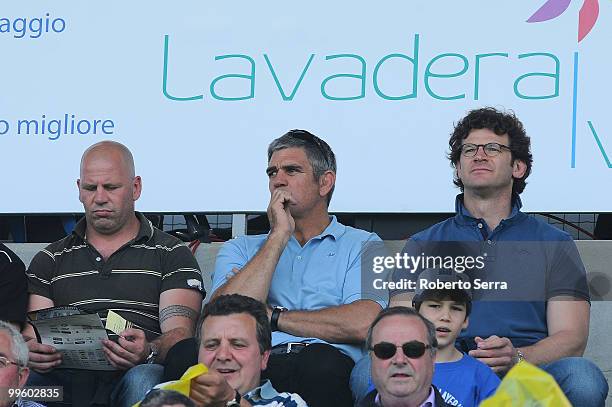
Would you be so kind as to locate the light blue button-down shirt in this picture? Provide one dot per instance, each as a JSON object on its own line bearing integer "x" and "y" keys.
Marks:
{"x": 325, "y": 272}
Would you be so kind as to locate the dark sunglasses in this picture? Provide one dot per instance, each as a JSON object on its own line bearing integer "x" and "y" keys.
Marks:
{"x": 412, "y": 349}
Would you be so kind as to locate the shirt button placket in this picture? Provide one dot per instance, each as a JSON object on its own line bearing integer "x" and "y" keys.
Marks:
{"x": 298, "y": 270}
{"x": 99, "y": 264}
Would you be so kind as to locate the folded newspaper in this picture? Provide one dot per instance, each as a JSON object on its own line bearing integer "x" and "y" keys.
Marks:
{"x": 75, "y": 333}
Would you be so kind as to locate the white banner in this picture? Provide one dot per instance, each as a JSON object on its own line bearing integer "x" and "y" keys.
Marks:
{"x": 198, "y": 89}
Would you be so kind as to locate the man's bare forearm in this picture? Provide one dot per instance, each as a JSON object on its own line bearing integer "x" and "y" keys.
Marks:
{"x": 342, "y": 324}
{"x": 555, "y": 347}
{"x": 177, "y": 321}
{"x": 254, "y": 279}
{"x": 167, "y": 340}
{"x": 568, "y": 328}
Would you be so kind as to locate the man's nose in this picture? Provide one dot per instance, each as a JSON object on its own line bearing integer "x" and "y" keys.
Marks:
{"x": 279, "y": 180}
{"x": 223, "y": 352}
{"x": 101, "y": 195}
{"x": 399, "y": 358}
{"x": 480, "y": 153}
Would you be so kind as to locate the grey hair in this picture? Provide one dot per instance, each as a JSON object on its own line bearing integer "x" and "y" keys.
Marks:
{"x": 20, "y": 349}
{"x": 319, "y": 153}
{"x": 408, "y": 312}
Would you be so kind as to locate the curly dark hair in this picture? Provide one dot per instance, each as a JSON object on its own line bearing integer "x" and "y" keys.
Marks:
{"x": 499, "y": 123}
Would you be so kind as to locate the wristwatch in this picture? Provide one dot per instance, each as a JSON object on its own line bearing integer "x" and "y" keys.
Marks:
{"x": 519, "y": 357}
{"x": 276, "y": 311}
{"x": 153, "y": 352}
{"x": 235, "y": 402}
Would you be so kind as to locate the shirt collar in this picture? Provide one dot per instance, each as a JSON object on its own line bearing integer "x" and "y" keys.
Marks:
{"x": 464, "y": 217}
{"x": 335, "y": 229}
{"x": 145, "y": 232}
{"x": 430, "y": 401}
{"x": 263, "y": 392}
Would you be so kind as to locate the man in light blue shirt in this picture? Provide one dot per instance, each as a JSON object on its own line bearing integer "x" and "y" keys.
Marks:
{"x": 308, "y": 271}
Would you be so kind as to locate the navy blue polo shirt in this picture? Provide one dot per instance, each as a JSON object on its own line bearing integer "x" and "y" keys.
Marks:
{"x": 555, "y": 266}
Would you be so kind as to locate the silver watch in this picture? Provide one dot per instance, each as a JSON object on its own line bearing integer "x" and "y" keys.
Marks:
{"x": 519, "y": 357}
{"x": 153, "y": 352}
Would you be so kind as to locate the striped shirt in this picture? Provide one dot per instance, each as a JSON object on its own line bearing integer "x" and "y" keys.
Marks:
{"x": 72, "y": 272}
{"x": 266, "y": 396}
{"x": 26, "y": 403}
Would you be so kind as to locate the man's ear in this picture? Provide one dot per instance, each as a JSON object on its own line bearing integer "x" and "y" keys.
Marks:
{"x": 264, "y": 360}
{"x": 24, "y": 372}
{"x": 78, "y": 182}
{"x": 518, "y": 169}
{"x": 326, "y": 182}
{"x": 137, "y": 184}
{"x": 456, "y": 170}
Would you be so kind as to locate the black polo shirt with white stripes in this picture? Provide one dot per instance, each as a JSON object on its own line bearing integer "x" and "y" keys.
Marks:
{"x": 129, "y": 282}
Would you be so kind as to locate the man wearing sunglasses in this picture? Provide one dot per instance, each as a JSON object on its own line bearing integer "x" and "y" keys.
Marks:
{"x": 402, "y": 347}
{"x": 308, "y": 269}
{"x": 490, "y": 153}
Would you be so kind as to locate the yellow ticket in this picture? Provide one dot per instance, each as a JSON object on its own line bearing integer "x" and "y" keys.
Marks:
{"x": 116, "y": 323}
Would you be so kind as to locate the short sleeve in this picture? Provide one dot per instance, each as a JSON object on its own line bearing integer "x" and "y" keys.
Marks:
{"x": 232, "y": 255}
{"x": 567, "y": 276}
{"x": 357, "y": 283}
{"x": 181, "y": 270}
{"x": 40, "y": 272}
{"x": 487, "y": 384}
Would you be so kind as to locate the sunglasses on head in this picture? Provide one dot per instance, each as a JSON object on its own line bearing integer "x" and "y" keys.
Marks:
{"x": 412, "y": 349}
{"x": 312, "y": 139}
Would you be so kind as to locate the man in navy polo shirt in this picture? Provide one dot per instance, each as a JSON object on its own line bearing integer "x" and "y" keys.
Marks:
{"x": 490, "y": 153}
